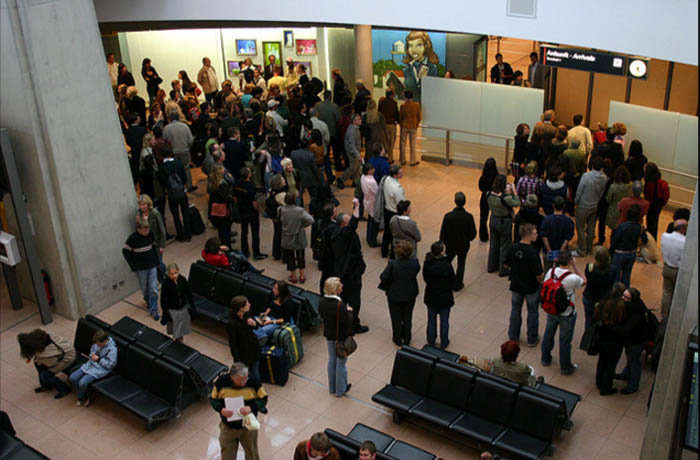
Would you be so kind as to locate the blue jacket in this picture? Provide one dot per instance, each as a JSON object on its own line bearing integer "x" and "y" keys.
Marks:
{"x": 107, "y": 361}
{"x": 381, "y": 167}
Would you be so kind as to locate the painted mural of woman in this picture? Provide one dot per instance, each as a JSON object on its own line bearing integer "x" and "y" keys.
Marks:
{"x": 420, "y": 60}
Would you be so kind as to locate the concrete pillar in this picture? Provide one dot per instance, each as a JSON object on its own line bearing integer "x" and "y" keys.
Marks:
{"x": 363, "y": 57}
{"x": 56, "y": 102}
{"x": 662, "y": 436}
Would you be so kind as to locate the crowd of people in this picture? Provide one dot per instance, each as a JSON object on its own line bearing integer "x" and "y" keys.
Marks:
{"x": 266, "y": 141}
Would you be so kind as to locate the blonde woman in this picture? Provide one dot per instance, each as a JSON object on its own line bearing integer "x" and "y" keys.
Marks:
{"x": 337, "y": 326}
{"x": 147, "y": 213}
{"x": 148, "y": 169}
{"x": 175, "y": 302}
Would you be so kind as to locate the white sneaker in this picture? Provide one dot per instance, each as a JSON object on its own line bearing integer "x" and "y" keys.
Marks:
{"x": 78, "y": 403}
{"x": 575, "y": 253}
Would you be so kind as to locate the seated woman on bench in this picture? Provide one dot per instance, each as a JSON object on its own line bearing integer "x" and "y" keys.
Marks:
{"x": 507, "y": 365}
{"x": 279, "y": 311}
{"x": 102, "y": 359}
{"x": 220, "y": 255}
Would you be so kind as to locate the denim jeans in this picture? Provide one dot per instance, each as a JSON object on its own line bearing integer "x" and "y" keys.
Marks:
{"x": 624, "y": 261}
{"x": 81, "y": 380}
{"x": 148, "y": 280}
{"x": 337, "y": 371}
{"x": 533, "y": 318}
{"x": 633, "y": 370}
{"x": 431, "y": 330}
{"x": 566, "y": 334}
{"x": 265, "y": 331}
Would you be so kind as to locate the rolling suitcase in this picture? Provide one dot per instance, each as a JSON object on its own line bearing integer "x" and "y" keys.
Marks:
{"x": 274, "y": 367}
{"x": 288, "y": 338}
{"x": 196, "y": 223}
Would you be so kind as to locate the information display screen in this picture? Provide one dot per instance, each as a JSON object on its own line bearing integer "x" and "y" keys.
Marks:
{"x": 591, "y": 61}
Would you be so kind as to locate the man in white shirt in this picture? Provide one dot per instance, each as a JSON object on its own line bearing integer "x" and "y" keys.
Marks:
{"x": 571, "y": 279}
{"x": 321, "y": 125}
{"x": 280, "y": 122}
{"x": 672, "y": 246}
{"x": 113, "y": 69}
{"x": 393, "y": 193}
{"x": 582, "y": 134}
{"x": 207, "y": 80}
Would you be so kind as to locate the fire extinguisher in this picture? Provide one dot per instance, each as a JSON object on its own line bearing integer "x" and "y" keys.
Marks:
{"x": 47, "y": 286}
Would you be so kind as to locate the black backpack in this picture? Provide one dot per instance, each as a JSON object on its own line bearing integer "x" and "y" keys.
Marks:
{"x": 176, "y": 188}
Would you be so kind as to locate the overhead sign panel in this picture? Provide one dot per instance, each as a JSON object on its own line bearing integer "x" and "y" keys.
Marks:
{"x": 592, "y": 61}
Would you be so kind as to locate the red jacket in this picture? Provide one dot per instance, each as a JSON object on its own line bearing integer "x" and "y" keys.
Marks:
{"x": 217, "y": 260}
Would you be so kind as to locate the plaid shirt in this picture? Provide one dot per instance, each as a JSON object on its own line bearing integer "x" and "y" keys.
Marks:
{"x": 527, "y": 185}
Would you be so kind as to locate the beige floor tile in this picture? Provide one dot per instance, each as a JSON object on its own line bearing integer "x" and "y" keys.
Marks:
{"x": 604, "y": 427}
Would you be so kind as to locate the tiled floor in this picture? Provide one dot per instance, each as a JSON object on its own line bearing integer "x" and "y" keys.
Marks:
{"x": 604, "y": 427}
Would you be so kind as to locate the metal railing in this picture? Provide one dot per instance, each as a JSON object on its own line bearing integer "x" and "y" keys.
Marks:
{"x": 448, "y": 131}
{"x": 678, "y": 173}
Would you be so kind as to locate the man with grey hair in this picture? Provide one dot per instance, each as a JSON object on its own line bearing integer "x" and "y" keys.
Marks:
{"x": 353, "y": 146}
{"x": 672, "y": 247}
{"x": 207, "y": 79}
{"x": 235, "y": 384}
{"x": 349, "y": 263}
{"x": 180, "y": 138}
{"x": 626, "y": 203}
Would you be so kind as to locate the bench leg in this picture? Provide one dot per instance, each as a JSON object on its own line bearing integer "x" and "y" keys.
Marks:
{"x": 398, "y": 417}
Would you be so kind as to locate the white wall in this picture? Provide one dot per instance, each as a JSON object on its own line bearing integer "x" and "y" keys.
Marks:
{"x": 171, "y": 51}
{"x": 269, "y": 34}
{"x": 662, "y": 30}
{"x": 183, "y": 49}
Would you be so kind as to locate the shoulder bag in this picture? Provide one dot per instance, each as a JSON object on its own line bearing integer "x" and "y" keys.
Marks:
{"x": 591, "y": 338}
{"x": 344, "y": 348}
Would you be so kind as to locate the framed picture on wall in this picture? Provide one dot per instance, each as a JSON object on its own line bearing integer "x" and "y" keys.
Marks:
{"x": 246, "y": 47}
{"x": 306, "y": 64}
{"x": 233, "y": 68}
{"x": 272, "y": 49}
{"x": 288, "y": 39}
{"x": 306, "y": 47}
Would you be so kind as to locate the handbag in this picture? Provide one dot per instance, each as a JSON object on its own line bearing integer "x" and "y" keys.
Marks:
{"x": 591, "y": 339}
{"x": 219, "y": 209}
{"x": 251, "y": 423}
{"x": 344, "y": 348}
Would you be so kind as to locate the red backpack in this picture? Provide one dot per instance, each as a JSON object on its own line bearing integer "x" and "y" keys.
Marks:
{"x": 553, "y": 295}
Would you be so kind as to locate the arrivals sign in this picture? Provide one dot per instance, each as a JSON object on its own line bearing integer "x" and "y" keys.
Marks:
{"x": 591, "y": 61}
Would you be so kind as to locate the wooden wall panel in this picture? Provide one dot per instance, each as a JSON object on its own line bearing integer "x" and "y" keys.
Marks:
{"x": 605, "y": 89}
{"x": 652, "y": 91}
{"x": 684, "y": 89}
{"x": 571, "y": 95}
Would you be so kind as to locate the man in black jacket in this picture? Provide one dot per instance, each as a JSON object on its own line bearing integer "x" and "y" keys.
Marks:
{"x": 233, "y": 385}
{"x": 613, "y": 156}
{"x": 349, "y": 264}
{"x": 174, "y": 177}
{"x": 141, "y": 253}
{"x": 457, "y": 231}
